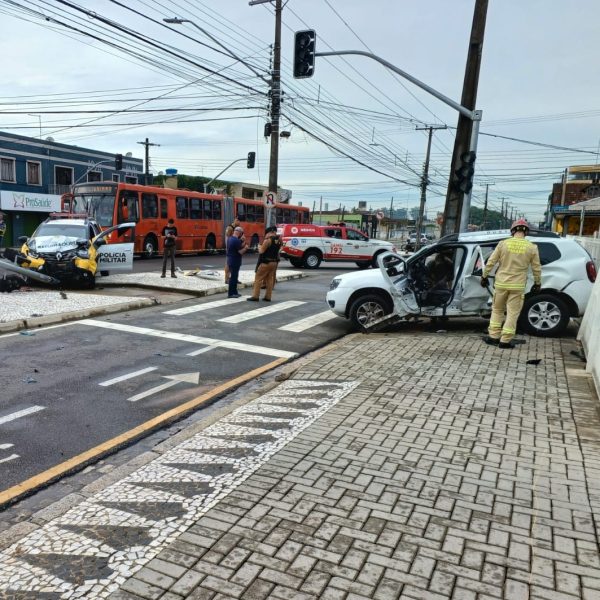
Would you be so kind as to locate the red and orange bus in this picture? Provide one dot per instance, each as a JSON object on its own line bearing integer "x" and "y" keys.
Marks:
{"x": 200, "y": 218}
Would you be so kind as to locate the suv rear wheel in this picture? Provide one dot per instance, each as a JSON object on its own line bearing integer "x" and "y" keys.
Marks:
{"x": 544, "y": 315}
{"x": 369, "y": 308}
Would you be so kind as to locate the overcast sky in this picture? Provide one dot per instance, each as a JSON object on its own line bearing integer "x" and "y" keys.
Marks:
{"x": 537, "y": 83}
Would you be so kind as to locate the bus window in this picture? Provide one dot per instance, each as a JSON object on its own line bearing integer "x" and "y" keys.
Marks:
{"x": 279, "y": 215}
{"x": 149, "y": 206}
{"x": 260, "y": 214}
{"x": 241, "y": 212}
{"x": 195, "y": 208}
{"x": 216, "y": 214}
{"x": 128, "y": 207}
{"x": 163, "y": 208}
{"x": 293, "y": 216}
{"x": 207, "y": 209}
{"x": 181, "y": 207}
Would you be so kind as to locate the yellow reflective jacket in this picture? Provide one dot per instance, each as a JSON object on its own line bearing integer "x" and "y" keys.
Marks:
{"x": 513, "y": 256}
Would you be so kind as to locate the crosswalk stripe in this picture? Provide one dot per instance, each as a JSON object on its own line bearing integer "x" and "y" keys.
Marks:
{"x": 127, "y": 376}
{"x": 191, "y": 339}
{"x": 308, "y": 322}
{"x": 21, "y": 413}
{"x": 11, "y": 457}
{"x": 6, "y": 446}
{"x": 186, "y": 310}
{"x": 261, "y": 312}
{"x": 200, "y": 351}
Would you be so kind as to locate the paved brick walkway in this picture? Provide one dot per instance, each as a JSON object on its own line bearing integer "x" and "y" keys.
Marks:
{"x": 423, "y": 466}
{"x": 453, "y": 470}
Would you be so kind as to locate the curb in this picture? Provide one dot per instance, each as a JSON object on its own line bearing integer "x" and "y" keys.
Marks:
{"x": 54, "y": 319}
{"x": 200, "y": 293}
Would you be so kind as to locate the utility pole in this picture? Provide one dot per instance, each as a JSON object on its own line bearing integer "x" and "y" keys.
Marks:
{"x": 457, "y": 201}
{"x": 425, "y": 182}
{"x": 387, "y": 237}
{"x": 485, "y": 207}
{"x": 503, "y": 218}
{"x": 147, "y": 145}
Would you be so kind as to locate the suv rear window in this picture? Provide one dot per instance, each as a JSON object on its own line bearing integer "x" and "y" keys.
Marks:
{"x": 548, "y": 252}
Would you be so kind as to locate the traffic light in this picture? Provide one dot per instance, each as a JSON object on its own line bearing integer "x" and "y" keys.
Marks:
{"x": 251, "y": 159}
{"x": 118, "y": 162}
{"x": 464, "y": 174}
{"x": 304, "y": 53}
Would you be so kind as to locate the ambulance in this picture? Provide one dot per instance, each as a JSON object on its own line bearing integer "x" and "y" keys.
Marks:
{"x": 307, "y": 245}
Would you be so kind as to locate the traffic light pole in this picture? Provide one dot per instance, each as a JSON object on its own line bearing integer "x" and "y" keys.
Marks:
{"x": 237, "y": 160}
{"x": 473, "y": 115}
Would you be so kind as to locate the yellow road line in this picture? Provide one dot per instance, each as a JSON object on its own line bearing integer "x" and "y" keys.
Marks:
{"x": 37, "y": 481}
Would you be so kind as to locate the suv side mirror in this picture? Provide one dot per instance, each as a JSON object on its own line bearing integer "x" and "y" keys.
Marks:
{"x": 22, "y": 239}
{"x": 393, "y": 265}
{"x": 100, "y": 242}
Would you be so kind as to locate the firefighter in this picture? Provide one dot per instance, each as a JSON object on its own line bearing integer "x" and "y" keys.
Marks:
{"x": 514, "y": 256}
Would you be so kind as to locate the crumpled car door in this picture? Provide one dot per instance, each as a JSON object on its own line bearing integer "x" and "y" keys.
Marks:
{"x": 474, "y": 298}
{"x": 394, "y": 269}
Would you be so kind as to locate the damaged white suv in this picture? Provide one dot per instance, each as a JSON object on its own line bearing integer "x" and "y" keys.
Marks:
{"x": 443, "y": 280}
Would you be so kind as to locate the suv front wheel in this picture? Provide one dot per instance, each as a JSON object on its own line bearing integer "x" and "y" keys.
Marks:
{"x": 369, "y": 308}
{"x": 544, "y": 315}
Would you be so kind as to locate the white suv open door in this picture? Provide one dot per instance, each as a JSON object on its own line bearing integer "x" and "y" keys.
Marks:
{"x": 395, "y": 270}
{"x": 474, "y": 298}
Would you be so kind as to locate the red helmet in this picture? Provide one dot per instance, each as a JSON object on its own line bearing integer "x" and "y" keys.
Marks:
{"x": 520, "y": 225}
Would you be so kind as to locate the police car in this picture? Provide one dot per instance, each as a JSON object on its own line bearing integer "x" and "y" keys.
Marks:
{"x": 443, "y": 280}
{"x": 307, "y": 245}
{"x": 73, "y": 249}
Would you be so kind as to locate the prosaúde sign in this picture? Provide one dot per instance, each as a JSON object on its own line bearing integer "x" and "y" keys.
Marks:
{"x": 29, "y": 201}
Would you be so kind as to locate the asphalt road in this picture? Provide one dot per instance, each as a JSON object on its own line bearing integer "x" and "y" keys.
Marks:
{"x": 69, "y": 389}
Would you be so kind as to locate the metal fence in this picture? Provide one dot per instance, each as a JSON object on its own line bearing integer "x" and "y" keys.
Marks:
{"x": 592, "y": 245}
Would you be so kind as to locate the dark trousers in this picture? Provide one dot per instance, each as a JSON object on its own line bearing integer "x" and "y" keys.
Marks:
{"x": 169, "y": 252}
{"x": 234, "y": 271}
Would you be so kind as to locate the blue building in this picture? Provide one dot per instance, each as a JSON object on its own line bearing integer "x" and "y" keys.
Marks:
{"x": 35, "y": 173}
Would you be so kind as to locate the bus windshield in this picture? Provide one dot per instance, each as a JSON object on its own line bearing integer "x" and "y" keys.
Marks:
{"x": 100, "y": 207}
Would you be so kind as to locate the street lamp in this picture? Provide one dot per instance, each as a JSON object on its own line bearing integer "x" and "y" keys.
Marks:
{"x": 40, "y": 120}
{"x": 178, "y": 21}
{"x": 386, "y": 148}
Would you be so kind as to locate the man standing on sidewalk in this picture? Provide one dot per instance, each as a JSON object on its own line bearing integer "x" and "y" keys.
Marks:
{"x": 170, "y": 234}
{"x": 236, "y": 247}
{"x": 513, "y": 256}
{"x": 267, "y": 267}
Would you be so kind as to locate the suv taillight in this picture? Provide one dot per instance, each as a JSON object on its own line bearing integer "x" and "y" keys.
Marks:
{"x": 590, "y": 267}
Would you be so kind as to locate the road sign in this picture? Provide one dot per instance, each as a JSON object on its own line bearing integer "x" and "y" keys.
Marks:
{"x": 270, "y": 199}
{"x": 380, "y": 215}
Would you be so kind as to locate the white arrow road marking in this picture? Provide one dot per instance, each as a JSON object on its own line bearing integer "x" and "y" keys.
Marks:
{"x": 308, "y": 322}
{"x": 21, "y": 413}
{"x": 127, "y": 376}
{"x": 261, "y": 312}
{"x": 175, "y": 379}
{"x": 192, "y": 339}
{"x": 205, "y": 306}
{"x": 11, "y": 457}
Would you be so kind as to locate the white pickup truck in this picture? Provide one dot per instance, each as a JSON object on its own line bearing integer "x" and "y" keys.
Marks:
{"x": 308, "y": 245}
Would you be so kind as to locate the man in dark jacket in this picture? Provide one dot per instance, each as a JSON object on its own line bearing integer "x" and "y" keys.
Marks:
{"x": 170, "y": 235}
{"x": 236, "y": 247}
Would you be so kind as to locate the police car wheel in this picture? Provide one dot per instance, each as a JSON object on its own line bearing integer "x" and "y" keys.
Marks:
{"x": 369, "y": 308}
{"x": 312, "y": 259}
{"x": 544, "y": 315}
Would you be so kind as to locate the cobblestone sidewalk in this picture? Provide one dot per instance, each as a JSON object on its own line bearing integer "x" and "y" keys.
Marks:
{"x": 415, "y": 466}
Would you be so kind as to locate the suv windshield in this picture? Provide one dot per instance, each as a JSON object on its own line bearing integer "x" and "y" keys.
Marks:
{"x": 70, "y": 230}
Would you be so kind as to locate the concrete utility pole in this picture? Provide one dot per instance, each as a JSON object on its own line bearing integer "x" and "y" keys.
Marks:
{"x": 458, "y": 203}
{"x": 275, "y": 94}
{"x": 425, "y": 181}
{"x": 503, "y": 211}
{"x": 147, "y": 145}
{"x": 485, "y": 207}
